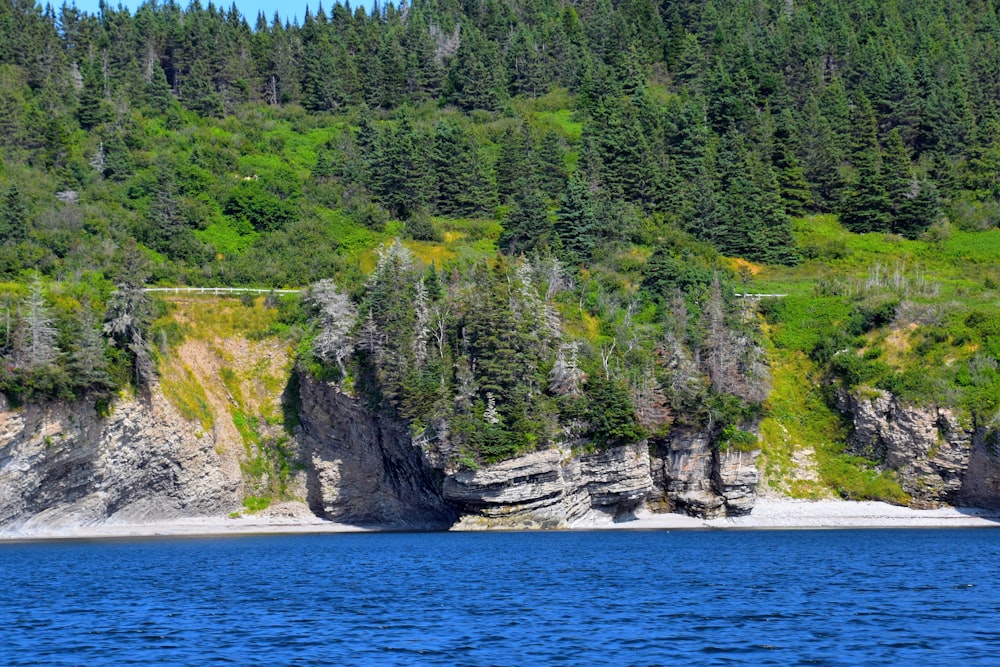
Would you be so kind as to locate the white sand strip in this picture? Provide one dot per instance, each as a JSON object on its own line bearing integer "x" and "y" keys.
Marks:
{"x": 787, "y": 513}
{"x": 767, "y": 514}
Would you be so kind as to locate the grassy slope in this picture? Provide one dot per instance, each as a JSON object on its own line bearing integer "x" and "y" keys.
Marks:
{"x": 938, "y": 282}
{"x": 221, "y": 365}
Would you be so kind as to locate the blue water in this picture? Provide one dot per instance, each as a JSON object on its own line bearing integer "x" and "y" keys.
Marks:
{"x": 844, "y": 597}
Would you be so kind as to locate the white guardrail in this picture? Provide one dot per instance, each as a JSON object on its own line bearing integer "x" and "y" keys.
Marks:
{"x": 258, "y": 290}
{"x": 221, "y": 290}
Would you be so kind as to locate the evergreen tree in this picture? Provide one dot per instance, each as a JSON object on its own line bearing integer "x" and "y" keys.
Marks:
{"x": 513, "y": 167}
{"x": 476, "y": 77}
{"x": 92, "y": 109}
{"x": 749, "y": 220}
{"x": 14, "y": 216}
{"x": 550, "y": 164}
{"x": 865, "y": 206}
{"x": 791, "y": 178}
{"x": 527, "y": 226}
{"x": 88, "y": 363}
{"x": 157, "y": 91}
{"x": 575, "y": 227}
{"x": 398, "y": 170}
{"x": 463, "y": 185}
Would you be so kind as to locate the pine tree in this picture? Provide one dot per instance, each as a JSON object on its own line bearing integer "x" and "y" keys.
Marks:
{"x": 575, "y": 227}
{"x": 14, "y": 216}
{"x": 865, "y": 206}
{"x": 528, "y": 226}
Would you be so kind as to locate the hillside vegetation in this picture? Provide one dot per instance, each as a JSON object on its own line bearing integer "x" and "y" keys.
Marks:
{"x": 525, "y": 222}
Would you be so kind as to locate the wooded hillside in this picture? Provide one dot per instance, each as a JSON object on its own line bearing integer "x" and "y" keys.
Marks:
{"x": 625, "y": 166}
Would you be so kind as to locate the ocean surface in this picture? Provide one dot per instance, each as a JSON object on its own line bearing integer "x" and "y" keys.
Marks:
{"x": 834, "y": 597}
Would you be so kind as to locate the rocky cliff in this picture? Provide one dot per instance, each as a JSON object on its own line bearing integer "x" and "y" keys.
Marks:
{"x": 365, "y": 467}
{"x": 699, "y": 479}
{"x": 62, "y": 465}
{"x": 552, "y": 488}
{"x": 361, "y": 466}
{"x": 938, "y": 457}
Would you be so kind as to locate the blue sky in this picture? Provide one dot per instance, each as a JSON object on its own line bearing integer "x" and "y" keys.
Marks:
{"x": 288, "y": 9}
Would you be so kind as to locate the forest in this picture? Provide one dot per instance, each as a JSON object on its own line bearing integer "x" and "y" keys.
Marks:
{"x": 524, "y": 222}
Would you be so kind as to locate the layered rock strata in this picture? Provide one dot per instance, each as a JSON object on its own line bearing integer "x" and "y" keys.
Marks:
{"x": 63, "y": 466}
{"x": 938, "y": 457}
{"x": 552, "y": 488}
{"x": 701, "y": 480}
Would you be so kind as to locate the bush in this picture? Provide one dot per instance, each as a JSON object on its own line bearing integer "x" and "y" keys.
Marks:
{"x": 737, "y": 439}
{"x": 420, "y": 227}
{"x": 611, "y": 414}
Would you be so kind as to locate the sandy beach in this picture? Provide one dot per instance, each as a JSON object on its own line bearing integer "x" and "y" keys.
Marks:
{"x": 768, "y": 513}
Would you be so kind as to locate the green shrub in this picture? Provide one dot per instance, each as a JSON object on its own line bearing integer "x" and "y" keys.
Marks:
{"x": 737, "y": 439}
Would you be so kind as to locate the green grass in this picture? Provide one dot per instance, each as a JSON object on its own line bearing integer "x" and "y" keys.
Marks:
{"x": 958, "y": 267}
{"x": 562, "y": 122}
{"x": 186, "y": 394}
{"x": 226, "y": 238}
{"x": 800, "y": 418}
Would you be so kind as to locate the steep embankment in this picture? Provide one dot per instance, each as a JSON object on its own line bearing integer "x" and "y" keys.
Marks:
{"x": 362, "y": 466}
{"x": 229, "y": 428}
{"x": 205, "y": 440}
{"x": 62, "y": 465}
{"x": 939, "y": 458}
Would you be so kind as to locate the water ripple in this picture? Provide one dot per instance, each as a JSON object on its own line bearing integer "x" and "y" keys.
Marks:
{"x": 644, "y": 598}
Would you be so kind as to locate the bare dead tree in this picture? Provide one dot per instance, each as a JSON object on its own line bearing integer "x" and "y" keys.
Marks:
{"x": 566, "y": 378}
{"x": 337, "y": 317}
{"x": 606, "y": 353}
{"x": 38, "y": 347}
{"x": 421, "y": 323}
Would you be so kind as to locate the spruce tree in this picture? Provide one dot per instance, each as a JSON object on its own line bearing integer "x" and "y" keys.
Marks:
{"x": 476, "y": 78}
{"x": 463, "y": 185}
{"x": 14, "y": 216}
{"x": 157, "y": 91}
{"x": 865, "y": 206}
{"x": 549, "y": 167}
{"x": 527, "y": 226}
{"x": 92, "y": 109}
{"x": 791, "y": 177}
{"x": 575, "y": 227}
{"x": 513, "y": 168}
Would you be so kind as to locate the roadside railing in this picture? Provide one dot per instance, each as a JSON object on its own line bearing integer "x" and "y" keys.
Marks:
{"x": 219, "y": 291}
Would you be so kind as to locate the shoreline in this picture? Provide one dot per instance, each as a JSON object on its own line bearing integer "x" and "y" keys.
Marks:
{"x": 768, "y": 514}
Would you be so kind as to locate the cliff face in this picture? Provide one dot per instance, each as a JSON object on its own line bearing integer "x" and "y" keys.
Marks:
{"x": 552, "y": 488}
{"x": 939, "y": 458}
{"x": 63, "y": 466}
{"x": 364, "y": 467}
{"x": 361, "y": 466}
{"x": 703, "y": 481}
